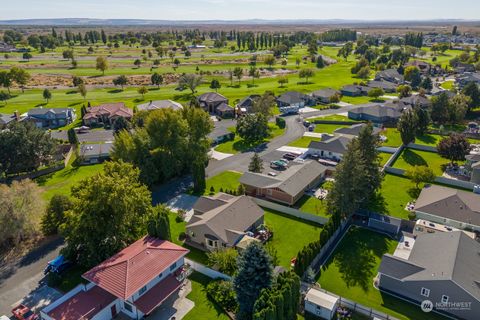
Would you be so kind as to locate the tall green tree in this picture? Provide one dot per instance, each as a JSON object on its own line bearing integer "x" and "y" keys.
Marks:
{"x": 420, "y": 174}
{"x": 368, "y": 142}
{"x": 454, "y": 147}
{"x": 110, "y": 211}
{"x": 157, "y": 79}
{"x": 55, "y": 214}
{"x": 121, "y": 81}
{"x": 470, "y": 90}
{"x": 252, "y": 127}
{"x": 47, "y": 95}
{"x": 439, "y": 109}
{"x": 256, "y": 164}
{"x": 215, "y": 85}
{"x": 255, "y": 272}
{"x": 190, "y": 81}
{"x": 423, "y": 120}
{"x": 407, "y": 126}
{"x": 158, "y": 224}
{"x": 101, "y": 64}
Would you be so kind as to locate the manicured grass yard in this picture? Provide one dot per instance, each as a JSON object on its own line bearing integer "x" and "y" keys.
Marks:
{"x": 447, "y": 85}
{"x": 227, "y": 180}
{"x": 61, "y": 182}
{"x": 312, "y": 205}
{"x": 290, "y": 235}
{"x": 394, "y": 139}
{"x": 352, "y": 268}
{"x": 239, "y": 145}
{"x": 303, "y": 142}
{"x": 384, "y": 157}
{"x": 205, "y": 309}
{"x": 328, "y": 128}
{"x": 333, "y": 117}
{"x": 409, "y": 158}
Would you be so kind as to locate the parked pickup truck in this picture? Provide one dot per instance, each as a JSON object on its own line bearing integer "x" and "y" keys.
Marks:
{"x": 22, "y": 312}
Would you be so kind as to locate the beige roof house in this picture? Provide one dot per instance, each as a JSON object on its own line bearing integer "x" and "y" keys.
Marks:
{"x": 222, "y": 220}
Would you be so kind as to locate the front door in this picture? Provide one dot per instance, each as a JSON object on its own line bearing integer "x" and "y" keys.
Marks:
{"x": 114, "y": 311}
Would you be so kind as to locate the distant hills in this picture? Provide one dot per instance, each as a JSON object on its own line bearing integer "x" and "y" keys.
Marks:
{"x": 141, "y": 22}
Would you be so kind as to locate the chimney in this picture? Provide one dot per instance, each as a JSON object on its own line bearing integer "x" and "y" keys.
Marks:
{"x": 17, "y": 115}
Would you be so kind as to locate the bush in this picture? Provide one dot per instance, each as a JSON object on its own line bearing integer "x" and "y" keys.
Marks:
{"x": 182, "y": 236}
{"x": 280, "y": 122}
{"x": 411, "y": 215}
{"x": 222, "y": 292}
{"x": 55, "y": 214}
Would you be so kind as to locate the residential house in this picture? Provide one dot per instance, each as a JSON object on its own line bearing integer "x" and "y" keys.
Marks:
{"x": 246, "y": 104}
{"x": 355, "y": 90}
{"x": 448, "y": 206}
{"x": 321, "y": 304}
{"x": 134, "y": 283}
{"x": 288, "y": 186}
{"x": 51, "y": 117}
{"x": 221, "y": 221}
{"x": 330, "y": 147}
{"x": 472, "y": 166}
{"x": 389, "y": 75}
{"x": 417, "y": 100}
{"x": 6, "y": 119}
{"x": 464, "y": 79}
{"x": 461, "y": 67}
{"x": 295, "y": 99}
{"x": 95, "y": 152}
{"x": 325, "y": 95}
{"x": 210, "y": 101}
{"x": 220, "y": 134}
{"x": 378, "y": 113}
{"x": 106, "y": 114}
{"x": 423, "y": 66}
{"x": 441, "y": 267}
{"x": 225, "y": 111}
{"x": 160, "y": 104}
{"x": 387, "y": 87}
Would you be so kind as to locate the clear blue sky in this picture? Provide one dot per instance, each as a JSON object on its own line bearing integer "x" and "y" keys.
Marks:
{"x": 242, "y": 9}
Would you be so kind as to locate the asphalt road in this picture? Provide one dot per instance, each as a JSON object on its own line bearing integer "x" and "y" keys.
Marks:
{"x": 19, "y": 280}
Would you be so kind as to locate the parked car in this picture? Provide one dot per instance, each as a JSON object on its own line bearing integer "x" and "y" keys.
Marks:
{"x": 290, "y": 156}
{"x": 57, "y": 265}
{"x": 23, "y": 312}
{"x": 284, "y": 161}
{"x": 278, "y": 164}
{"x": 271, "y": 173}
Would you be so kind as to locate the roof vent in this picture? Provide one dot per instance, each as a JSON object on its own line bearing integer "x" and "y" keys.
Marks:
{"x": 147, "y": 252}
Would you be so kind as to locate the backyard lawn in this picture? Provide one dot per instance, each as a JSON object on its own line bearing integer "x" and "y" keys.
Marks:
{"x": 290, "y": 235}
{"x": 333, "y": 117}
{"x": 384, "y": 157}
{"x": 352, "y": 268}
{"x": 228, "y": 180}
{"x": 239, "y": 145}
{"x": 312, "y": 205}
{"x": 205, "y": 308}
{"x": 303, "y": 142}
{"x": 394, "y": 139}
{"x": 328, "y": 128}
{"x": 409, "y": 158}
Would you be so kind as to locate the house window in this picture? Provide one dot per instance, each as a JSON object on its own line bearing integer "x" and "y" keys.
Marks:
{"x": 444, "y": 299}
{"x": 269, "y": 192}
{"x": 142, "y": 290}
{"x": 160, "y": 275}
{"x": 210, "y": 243}
{"x": 425, "y": 292}
{"x": 173, "y": 266}
{"x": 127, "y": 307}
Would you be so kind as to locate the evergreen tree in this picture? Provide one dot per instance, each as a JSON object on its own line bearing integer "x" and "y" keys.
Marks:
{"x": 471, "y": 90}
{"x": 423, "y": 120}
{"x": 158, "y": 224}
{"x": 72, "y": 136}
{"x": 407, "y": 126}
{"x": 256, "y": 164}
{"x": 255, "y": 272}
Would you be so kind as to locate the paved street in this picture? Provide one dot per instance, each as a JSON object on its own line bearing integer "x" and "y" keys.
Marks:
{"x": 21, "y": 279}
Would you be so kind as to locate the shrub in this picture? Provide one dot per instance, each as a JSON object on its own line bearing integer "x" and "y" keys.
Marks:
{"x": 280, "y": 122}
{"x": 222, "y": 292}
{"x": 182, "y": 236}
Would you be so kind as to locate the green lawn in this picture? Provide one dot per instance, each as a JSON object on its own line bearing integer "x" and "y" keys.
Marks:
{"x": 333, "y": 117}
{"x": 409, "y": 158}
{"x": 239, "y": 145}
{"x": 394, "y": 195}
{"x": 303, "y": 142}
{"x": 205, "y": 308}
{"x": 312, "y": 205}
{"x": 290, "y": 235}
{"x": 448, "y": 85}
{"x": 328, "y": 128}
{"x": 352, "y": 268}
{"x": 384, "y": 157}
{"x": 228, "y": 180}
{"x": 394, "y": 139}
{"x": 61, "y": 182}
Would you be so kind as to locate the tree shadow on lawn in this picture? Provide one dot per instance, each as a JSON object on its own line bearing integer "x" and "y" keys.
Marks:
{"x": 413, "y": 158}
{"x": 427, "y": 139}
{"x": 356, "y": 261}
{"x": 115, "y": 91}
{"x": 378, "y": 204}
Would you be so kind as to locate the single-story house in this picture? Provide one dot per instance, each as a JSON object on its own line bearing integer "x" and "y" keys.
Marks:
{"x": 423, "y": 66}
{"x": 133, "y": 283}
{"x": 324, "y": 95}
{"x": 51, "y": 117}
{"x": 210, "y": 101}
{"x": 288, "y": 186}
{"x": 390, "y": 75}
{"x": 388, "y": 87}
{"x": 417, "y": 100}
{"x": 246, "y": 104}
{"x": 472, "y": 166}
{"x": 95, "y": 153}
{"x": 219, "y": 134}
{"x": 452, "y": 207}
{"x": 225, "y": 111}
{"x": 159, "y": 104}
{"x": 321, "y": 304}
{"x": 354, "y": 130}
{"x": 378, "y": 113}
{"x": 441, "y": 268}
{"x": 295, "y": 99}
{"x": 330, "y": 147}
{"x": 107, "y": 113}
{"x": 222, "y": 220}
{"x": 6, "y": 119}
{"x": 465, "y": 78}
{"x": 355, "y": 90}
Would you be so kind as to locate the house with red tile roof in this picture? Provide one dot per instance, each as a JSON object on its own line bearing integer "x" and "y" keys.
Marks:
{"x": 107, "y": 113}
{"x": 134, "y": 282}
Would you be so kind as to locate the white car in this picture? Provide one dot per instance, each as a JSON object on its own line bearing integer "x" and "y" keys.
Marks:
{"x": 271, "y": 173}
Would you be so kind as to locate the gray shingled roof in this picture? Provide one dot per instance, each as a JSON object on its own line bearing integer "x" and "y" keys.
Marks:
{"x": 440, "y": 256}
{"x": 292, "y": 181}
{"x": 159, "y": 104}
{"x": 378, "y": 110}
{"x": 6, "y": 118}
{"x": 292, "y": 97}
{"x": 232, "y": 218}
{"x": 337, "y": 144}
{"x": 212, "y": 97}
{"x": 42, "y": 111}
{"x": 355, "y": 129}
{"x": 324, "y": 93}
{"x": 450, "y": 203}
